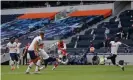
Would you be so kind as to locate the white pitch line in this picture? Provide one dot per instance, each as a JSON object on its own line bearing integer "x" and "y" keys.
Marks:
{"x": 22, "y": 73}
{"x": 13, "y": 73}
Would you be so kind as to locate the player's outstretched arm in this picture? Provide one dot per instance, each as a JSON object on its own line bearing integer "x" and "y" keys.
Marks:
{"x": 6, "y": 51}
{"x": 53, "y": 45}
{"x": 125, "y": 45}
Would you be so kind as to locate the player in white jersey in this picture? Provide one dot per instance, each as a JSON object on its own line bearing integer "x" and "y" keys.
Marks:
{"x": 18, "y": 51}
{"x": 33, "y": 51}
{"x": 114, "y": 48}
{"x": 12, "y": 47}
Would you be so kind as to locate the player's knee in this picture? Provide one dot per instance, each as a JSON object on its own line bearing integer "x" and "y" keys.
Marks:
{"x": 114, "y": 63}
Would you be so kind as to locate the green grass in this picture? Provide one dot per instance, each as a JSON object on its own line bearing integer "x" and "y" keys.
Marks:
{"x": 82, "y": 72}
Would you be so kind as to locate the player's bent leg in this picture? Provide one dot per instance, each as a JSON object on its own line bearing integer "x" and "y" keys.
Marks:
{"x": 60, "y": 61}
{"x": 51, "y": 59}
{"x": 45, "y": 64}
{"x": 17, "y": 60}
{"x": 34, "y": 60}
{"x": 65, "y": 59}
{"x": 38, "y": 63}
{"x": 12, "y": 65}
{"x": 104, "y": 59}
{"x": 122, "y": 67}
{"x": 113, "y": 59}
{"x": 18, "y": 64}
{"x": 55, "y": 65}
{"x": 12, "y": 55}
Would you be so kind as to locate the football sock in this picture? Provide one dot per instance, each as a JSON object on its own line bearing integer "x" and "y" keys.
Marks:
{"x": 55, "y": 65}
{"x": 37, "y": 65}
{"x": 119, "y": 65}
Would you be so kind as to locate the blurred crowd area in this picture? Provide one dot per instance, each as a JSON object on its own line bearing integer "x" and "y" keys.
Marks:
{"x": 31, "y": 4}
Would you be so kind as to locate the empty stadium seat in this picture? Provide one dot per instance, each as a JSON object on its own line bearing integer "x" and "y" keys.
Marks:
{"x": 121, "y": 50}
{"x": 112, "y": 26}
{"x": 100, "y": 31}
{"x": 85, "y": 37}
{"x": 99, "y": 37}
{"x": 7, "y": 18}
{"x": 70, "y": 45}
{"x": 126, "y": 13}
{"x": 128, "y": 42}
{"x": 83, "y": 44}
{"x": 113, "y": 30}
{"x": 126, "y": 24}
{"x": 73, "y": 39}
{"x": 102, "y": 50}
{"x": 88, "y": 32}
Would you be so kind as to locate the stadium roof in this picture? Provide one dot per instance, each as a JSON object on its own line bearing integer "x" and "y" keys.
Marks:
{"x": 49, "y": 15}
{"x": 104, "y": 12}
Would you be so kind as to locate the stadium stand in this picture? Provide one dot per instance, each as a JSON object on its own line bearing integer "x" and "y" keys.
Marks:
{"x": 126, "y": 21}
{"x": 27, "y": 25}
{"x": 7, "y": 18}
{"x": 26, "y": 4}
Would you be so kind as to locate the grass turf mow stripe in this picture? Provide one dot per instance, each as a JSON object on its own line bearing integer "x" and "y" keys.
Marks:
{"x": 70, "y": 72}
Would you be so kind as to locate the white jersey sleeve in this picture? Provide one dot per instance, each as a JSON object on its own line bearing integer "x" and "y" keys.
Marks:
{"x": 8, "y": 44}
{"x": 111, "y": 42}
{"x": 119, "y": 43}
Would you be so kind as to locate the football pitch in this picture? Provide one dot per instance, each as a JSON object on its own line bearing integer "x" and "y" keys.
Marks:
{"x": 70, "y": 72}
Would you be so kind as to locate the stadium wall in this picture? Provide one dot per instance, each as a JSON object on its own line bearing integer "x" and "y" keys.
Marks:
{"x": 56, "y": 9}
{"x": 119, "y": 5}
{"x": 132, "y": 5}
{"x": 127, "y": 58}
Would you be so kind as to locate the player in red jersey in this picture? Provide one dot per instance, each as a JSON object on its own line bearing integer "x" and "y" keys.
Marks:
{"x": 61, "y": 45}
{"x": 46, "y": 58}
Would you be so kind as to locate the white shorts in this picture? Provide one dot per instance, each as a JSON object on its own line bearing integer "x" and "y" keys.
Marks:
{"x": 43, "y": 54}
{"x": 60, "y": 54}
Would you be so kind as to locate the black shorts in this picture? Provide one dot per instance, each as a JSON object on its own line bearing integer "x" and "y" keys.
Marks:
{"x": 50, "y": 59}
{"x": 64, "y": 58}
{"x": 14, "y": 56}
{"x": 32, "y": 55}
{"x": 113, "y": 58}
